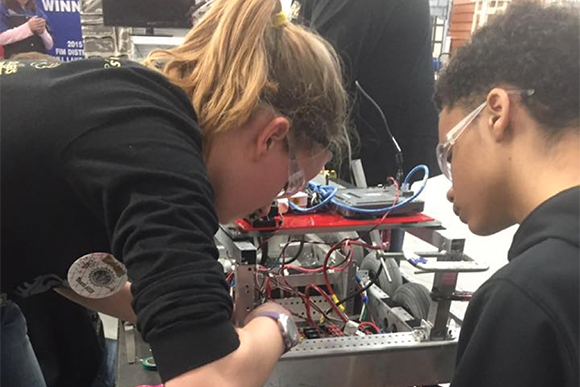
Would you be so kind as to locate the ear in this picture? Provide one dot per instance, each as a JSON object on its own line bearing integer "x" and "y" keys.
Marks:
{"x": 499, "y": 104}
{"x": 272, "y": 133}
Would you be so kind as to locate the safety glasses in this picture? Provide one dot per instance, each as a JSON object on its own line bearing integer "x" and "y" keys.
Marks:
{"x": 443, "y": 150}
{"x": 296, "y": 175}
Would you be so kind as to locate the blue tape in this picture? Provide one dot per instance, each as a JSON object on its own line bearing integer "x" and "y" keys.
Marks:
{"x": 418, "y": 260}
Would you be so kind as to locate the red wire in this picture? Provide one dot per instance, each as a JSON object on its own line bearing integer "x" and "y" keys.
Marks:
{"x": 394, "y": 182}
{"x": 328, "y": 299}
{"x": 306, "y": 300}
{"x": 325, "y": 267}
{"x": 343, "y": 265}
{"x": 335, "y": 331}
{"x": 268, "y": 288}
{"x": 307, "y": 303}
{"x": 368, "y": 324}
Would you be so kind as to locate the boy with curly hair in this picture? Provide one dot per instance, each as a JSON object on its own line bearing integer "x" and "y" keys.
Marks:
{"x": 509, "y": 139}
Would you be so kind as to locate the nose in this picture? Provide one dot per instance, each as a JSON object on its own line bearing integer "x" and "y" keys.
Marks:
{"x": 450, "y": 195}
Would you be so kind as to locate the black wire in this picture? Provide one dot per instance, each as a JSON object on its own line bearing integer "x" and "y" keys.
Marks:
{"x": 361, "y": 290}
{"x": 265, "y": 256}
{"x": 398, "y": 151}
{"x": 298, "y": 253}
{"x": 347, "y": 256}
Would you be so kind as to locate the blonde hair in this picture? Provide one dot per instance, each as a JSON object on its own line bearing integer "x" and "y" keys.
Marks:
{"x": 240, "y": 57}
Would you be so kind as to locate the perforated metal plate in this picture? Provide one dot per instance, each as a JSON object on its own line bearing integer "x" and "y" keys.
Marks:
{"x": 350, "y": 344}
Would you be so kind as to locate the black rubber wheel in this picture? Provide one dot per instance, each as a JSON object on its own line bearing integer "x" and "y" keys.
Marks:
{"x": 372, "y": 264}
{"x": 415, "y": 298}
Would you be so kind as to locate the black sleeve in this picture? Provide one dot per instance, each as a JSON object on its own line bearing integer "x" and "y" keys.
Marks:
{"x": 508, "y": 339}
{"x": 145, "y": 178}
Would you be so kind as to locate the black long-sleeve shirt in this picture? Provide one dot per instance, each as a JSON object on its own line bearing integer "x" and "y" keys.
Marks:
{"x": 522, "y": 326}
{"x": 102, "y": 155}
{"x": 386, "y": 46}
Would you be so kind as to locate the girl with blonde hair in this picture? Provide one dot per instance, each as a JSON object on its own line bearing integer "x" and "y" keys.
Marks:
{"x": 149, "y": 159}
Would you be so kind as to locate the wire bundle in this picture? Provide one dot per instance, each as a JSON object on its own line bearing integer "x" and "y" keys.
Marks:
{"x": 275, "y": 277}
{"x": 327, "y": 193}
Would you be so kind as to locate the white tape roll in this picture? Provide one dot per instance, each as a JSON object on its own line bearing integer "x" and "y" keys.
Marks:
{"x": 97, "y": 275}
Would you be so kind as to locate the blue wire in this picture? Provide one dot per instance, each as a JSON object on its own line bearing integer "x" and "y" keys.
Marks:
{"x": 398, "y": 205}
{"x": 328, "y": 192}
{"x": 413, "y": 171}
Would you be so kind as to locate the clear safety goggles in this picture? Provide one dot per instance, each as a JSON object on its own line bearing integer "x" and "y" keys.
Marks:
{"x": 443, "y": 149}
{"x": 296, "y": 175}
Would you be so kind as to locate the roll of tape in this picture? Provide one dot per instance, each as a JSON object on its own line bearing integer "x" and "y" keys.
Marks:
{"x": 97, "y": 275}
{"x": 149, "y": 364}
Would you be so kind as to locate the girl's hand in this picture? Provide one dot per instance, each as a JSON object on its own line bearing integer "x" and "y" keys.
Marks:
{"x": 37, "y": 25}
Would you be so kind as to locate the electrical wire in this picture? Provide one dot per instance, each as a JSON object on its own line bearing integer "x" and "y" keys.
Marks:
{"x": 266, "y": 289}
{"x": 287, "y": 287}
{"x": 295, "y": 257}
{"x": 339, "y": 267}
{"x": 306, "y": 296}
{"x": 329, "y": 192}
{"x": 367, "y": 324}
{"x": 331, "y": 299}
{"x": 398, "y": 152}
{"x": 395, "y": 201}
{"x": 380, "y": 211}
{"x": 325, "y": 269}
{"x": 326, "y": 191}
{"x": 363, "y": 289}
{"x": 263, "y": 247}
{"x": 299, "y": 252}
{"x": 328, "y": 299}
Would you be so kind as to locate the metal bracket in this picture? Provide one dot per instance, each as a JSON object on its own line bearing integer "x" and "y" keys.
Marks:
{"x": 443, "y": 264}
{"x": 243, "y": 251}
{"x": 446, "y": 273}
{"x": 130, "y": 342}
{"x": 245, "y": 292}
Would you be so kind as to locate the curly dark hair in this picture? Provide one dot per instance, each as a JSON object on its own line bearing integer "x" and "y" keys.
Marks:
{"x": 528, "y": 47}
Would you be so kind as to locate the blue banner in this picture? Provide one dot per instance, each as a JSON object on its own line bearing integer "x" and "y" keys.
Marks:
{"x": 64, "y": 20}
